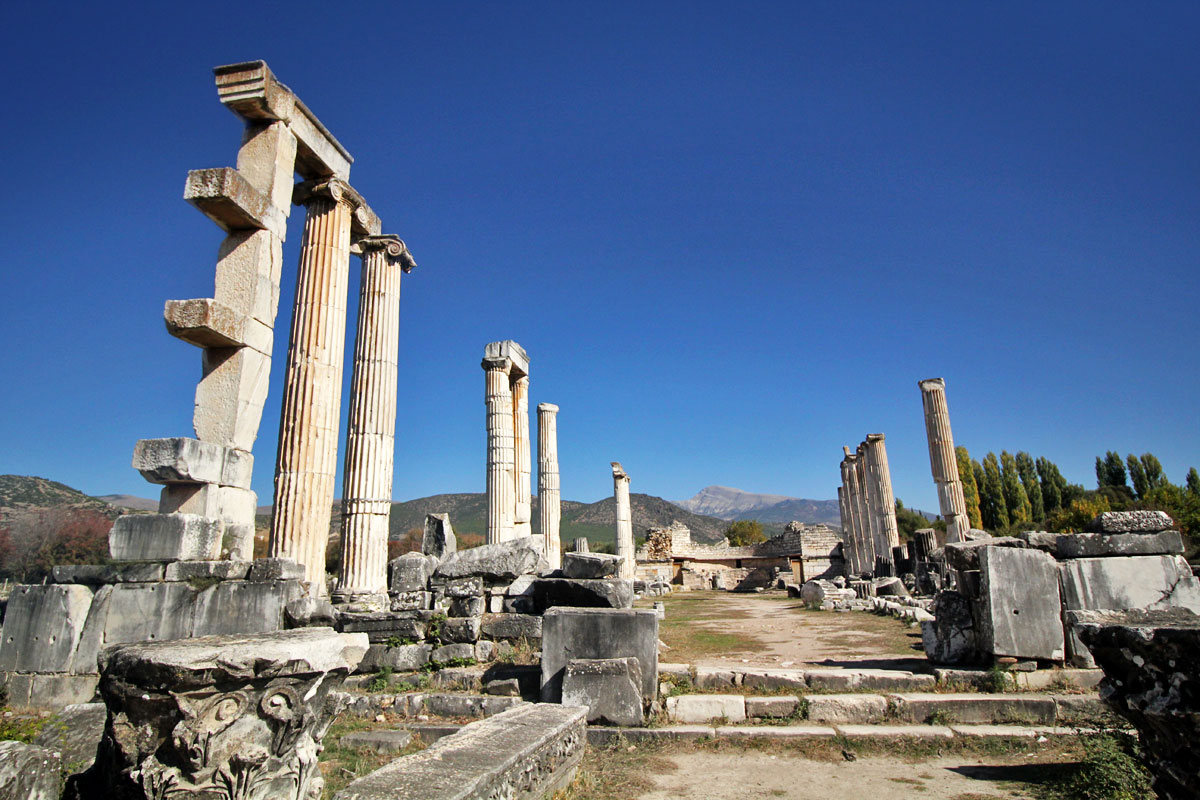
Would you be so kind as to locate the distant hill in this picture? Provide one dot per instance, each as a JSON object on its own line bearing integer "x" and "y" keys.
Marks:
{"x": 130, "y": 502}
{"x": 730, "y": 504}
{"x": 28, "y": 491}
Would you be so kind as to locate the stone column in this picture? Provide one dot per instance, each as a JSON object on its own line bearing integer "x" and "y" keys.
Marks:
{"x": 848, "y": 543}
{"x": 312, "y": 393}
{"x": 866, "y": 507}
{"x": 523, "y": 514}
{"x": 370, "y": 437}
{"x": 942, "y": 459}
{"x": 549, "y": 499}
{"x": 854, "y": 529}
{"x": 501, "y": 487}
{"x": 624, "y": 521}
{"x": 885, "y": 501}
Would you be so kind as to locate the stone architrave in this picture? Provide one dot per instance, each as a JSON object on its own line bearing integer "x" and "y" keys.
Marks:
{"x": 549, "y": 497}
{"x": 311, "y": 415}
{"x": 501, "y": 489}
{"x": 624, "y": 522}
{"x": 522, "y": 512}
{"x": 942, "y": 459}
{"x": 880, "y": 487}
{"x": 371, "y": 427}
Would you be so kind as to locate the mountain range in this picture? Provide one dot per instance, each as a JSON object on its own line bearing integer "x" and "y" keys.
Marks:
{"x": 726, "y": 503}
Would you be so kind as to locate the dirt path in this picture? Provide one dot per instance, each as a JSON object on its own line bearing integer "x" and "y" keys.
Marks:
{"x": 751, "y": 776}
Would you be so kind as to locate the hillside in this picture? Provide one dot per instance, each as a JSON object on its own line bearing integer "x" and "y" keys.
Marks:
{"x": 27, "y": 491}
{"x": 726, "y": 503}
{"x": 129, "y": 502}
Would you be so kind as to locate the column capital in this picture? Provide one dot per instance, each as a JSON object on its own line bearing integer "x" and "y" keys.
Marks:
{"x": 872, "y": 438}
{"x": 363, "y": 221}
{"x": 392, "y": 245}
{"x": 618, "y": 471}
{"x": 548, "y": 408}
{"x": 502, "y": 364}
{"x": 930, "y": 384}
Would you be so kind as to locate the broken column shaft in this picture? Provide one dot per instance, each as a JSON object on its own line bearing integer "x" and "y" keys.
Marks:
{"x": 371, "y": 427}
{"x": 624, "y": 544}
{"x": 549, "y": 499}
{"x": 880, "y": 488}
{"x": 942, "y": 459}
{"x": 501, "y": 489}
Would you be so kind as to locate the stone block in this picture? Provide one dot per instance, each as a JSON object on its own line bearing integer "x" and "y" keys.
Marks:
{"x": 951, "y": 638}
{"x": 384, "y": 625}
{"x": 521, "y": 587}
{"x": 467, "y": 607}
{"x": 410, "y": 572}
{"x": 75, "y": 732}
{"x": 307, "y": 611}
{"x": 221, "y": 570}
{"x": 460, "y": 629}
{"x": 775, "y": 707}
{"x": 485, "y": 651}
{"x": 165, "y": 537}
{"x": 694, "y": 708}
{"x": 183, "y": 460}
{"x": 466, "y": 677}
{"x": 570, "y": 633}
{"x": 857, "y": 709}
{"x": 29, "y": 772}
{"x": 464, "y": 587}
{"x": 512, "y": 626}
{"x": 201, "y": 499}
{"x": 450, "y": 653}
{"x": 275, "y": 569}
{"x": 439, "y": 540}
{"x": 716, "y": 678}
{"x": 230, "y": 396}
{"x": 137, "y": 612}
{"x": 577, "y": 593}
{"x": 58, "y": 689}
{"x": 1021, "y": 611}
{"x": 385, "y": 741}
{"x": 240, "y": 607}
{"x": 249, "y": 265}
{"x": 225, "y": 196}
{"x": 100, "y": 574}
{"x": 867, "y": 679}
{"x": 965, "y": 555}
{"x": 1091, "y": 545}
{"x": 609, "y": 688}
{"x": 590, "y": 565}
{"x": 1131, "y": 522}
{"x": 973, "y": 708}
{"x": 43, "y": 626}
{"x": 773, "y": 679}
{"x": 525, "y": 753}
{"x": 402, "y": 658}
{"x": 205, "y": 322}
{"x": 1040, "y": 540}
{"x": 507, "y": 687}
{"x": 411, "y": 601}
{"x": 505, "y": 561}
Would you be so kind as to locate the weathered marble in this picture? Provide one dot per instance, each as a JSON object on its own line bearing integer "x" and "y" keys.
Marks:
{"x": 549, "y": 498}
{"x": 624, "y": 540}
{"x": 943, "y": 460}
{"x": 501, "y": 477}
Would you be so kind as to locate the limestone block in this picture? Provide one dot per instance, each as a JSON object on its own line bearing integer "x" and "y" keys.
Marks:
{"x": 275, "y": 569}
{"x": 1021, "y": 610}
{"x": 58, "y": 689}
{"x": 1131, "y": 522}
{"x": 450, "y": 653}
{"x": 238, "y": 542}
{"x": 403, "y": 658}
{"x": 385, "y": 741}
{"x": 140, "y": 612}
{"x": 165, "y": 537}
{"x": 871, "y": 679}
{"x": 857, "y": 709}
{"x": 466, "y": 607}
{"x": 773, "y": 679}
{"x": 693, "y": 708}
{"x": 411, "y": 601}
{"x": 569, "y": 633}
{"x": 267, "y": 160}
{"x": 527, "y": 752}
{"x": 951, "y": 640}
{"x": 29, "y": 772}
{"x": 777, "y": 707}
{"x": 512, "y": 626}
{"x": 205, "y": 322}
{"x": 241, "y": 607}
{"x": 604, "y": 593}
{"x": 100, "y": 574}
{"x": 714, "y": 678}
{"x": 410, "y": 572}
{"x": 42, "y": 627}
{"x": 460, "y": 629}
{"x": 609, "y": 688}
{"x": 225, "y": 196}
{"x": 309, "y": 611}
{"x": 439, "y": 540}
{"x": 249, "y": 266}
{"x": 463, "y": 587}
{"x": 199, "y": 499}
{"x": 75, "y": 732}
{"x": 975, "y": 708}
{"x": 1089, "y": 545}
{"x": 230, "y": 396}
{"x": 382, "y": 626}
{"x": 485, "y": 651}
{"x": 182, "y": 460}
{"x": 238, "y": 505}
{"x": 590, "y": 565}
{"x": 510, "y": 350}
{"x": 505, "y": 561}
{"x": 965, "y": 555}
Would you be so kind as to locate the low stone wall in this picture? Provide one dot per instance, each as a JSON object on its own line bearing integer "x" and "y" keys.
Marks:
{"x": 525, "y": 753}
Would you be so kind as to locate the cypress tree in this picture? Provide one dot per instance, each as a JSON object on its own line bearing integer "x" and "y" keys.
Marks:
{"x": 1113, "y": 469}
{"x": 966, "y": 474}
{"x": 1029, "y": 481}
{"x": 1137, "y": 475}
{"x": 1015, "y": 499}
{"x": 1193, "y": 482}
{"x": 1152, "y": 468}
{"x": 991, "y": 495}
{"x": 1052, "y": 483}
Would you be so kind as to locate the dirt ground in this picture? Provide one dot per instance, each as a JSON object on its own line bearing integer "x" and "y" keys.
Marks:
{"x": 751, "y": 775}
{"x": 782, "y": 633}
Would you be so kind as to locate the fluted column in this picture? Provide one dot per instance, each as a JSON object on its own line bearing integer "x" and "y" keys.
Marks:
{"x": 624, "y": 521}
{"x": 371, "y": 427}
{"x": 862, "y": 535}
{"x": 885, "y": 501}
{"x": 549, "y": 500}
{"x": 866, "y": 505}
{"x": 942, "y": 459}
{"x": 848, "y": 549}
{"x": 522, "y": 513}
{"x": 312, "y": 393}
{"x": 852, "y": 519}
{"x": 501, "y": 487}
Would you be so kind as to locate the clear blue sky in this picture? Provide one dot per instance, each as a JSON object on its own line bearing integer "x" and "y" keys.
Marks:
{"x": 732, "y": 237}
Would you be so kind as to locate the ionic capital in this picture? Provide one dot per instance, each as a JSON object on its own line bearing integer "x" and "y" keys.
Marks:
{"x": 501, "y": 364}
{"x": 618, "y": 471}
{"x": 393, "y": 246}
{"x": 548, "y": 408}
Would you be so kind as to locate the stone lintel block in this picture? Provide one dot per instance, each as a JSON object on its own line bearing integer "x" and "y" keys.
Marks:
{"x": 529, "y": 751}
{"x": 184, "y": 460}
{"x": 513, "y": 352}
{"x": 223, "y": 570}
{"x": 101, "y": 574}
{"x": 42, "y": 626}
{"x": 205, "y": 322}
{"x": 165, "y": 537}
{"x": 1090, "y": 545}
{"x": 225, "y": 196}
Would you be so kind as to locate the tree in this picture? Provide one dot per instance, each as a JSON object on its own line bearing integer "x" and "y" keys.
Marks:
{"x": 966, "y": 474}
{"x": 1015, "y": 499}
{"x": 1152, "y": 468}
{"x": 1137, "y": 476}
{"x": 745, "y": 532}
{"x": 908, "y": 522}
{"x": 1052, "y": 484}
{"x": 977, "y": 471}
{"x": 1193, "y": 482}
{"x": 991, "y": 496}
{"x": 1110, "y": 471}
{"x": 1033, "y": 490}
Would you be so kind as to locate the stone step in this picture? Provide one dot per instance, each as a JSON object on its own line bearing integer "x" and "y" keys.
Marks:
{"x": 602, "y": 735}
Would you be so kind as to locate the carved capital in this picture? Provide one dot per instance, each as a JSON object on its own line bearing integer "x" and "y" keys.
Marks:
{"x": 502, "y": 364}
{"x": 335, "y": 189}
{"x": 393, "y": 246}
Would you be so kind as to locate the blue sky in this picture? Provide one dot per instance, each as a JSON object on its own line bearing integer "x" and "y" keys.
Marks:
{"x": 732, "y": 239}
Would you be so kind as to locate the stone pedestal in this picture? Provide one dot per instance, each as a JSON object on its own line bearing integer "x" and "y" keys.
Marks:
{"x": 549, "y": 499}
{"x": 624, "y": 542}
{"x": 942, "y": 459}
{"x": 235, "y": 717}
{"x": 311, "y": 416}
{"x": 370, "y": 438}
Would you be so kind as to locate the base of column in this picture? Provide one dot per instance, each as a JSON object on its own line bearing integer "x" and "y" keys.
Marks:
{"x": 361, "y": 602}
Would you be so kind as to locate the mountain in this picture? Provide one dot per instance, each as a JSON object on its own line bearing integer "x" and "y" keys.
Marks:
{"x": 730, "y": 504}
{"x": 129, "y": 502}
{"x": 28, "y": 491}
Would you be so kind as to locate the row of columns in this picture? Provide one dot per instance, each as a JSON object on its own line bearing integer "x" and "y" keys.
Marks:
{"x": 867, "y": 505}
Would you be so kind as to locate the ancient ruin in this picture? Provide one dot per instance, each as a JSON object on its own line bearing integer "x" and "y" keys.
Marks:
{"x": 868, "y": 508}
{"x": 624, "y": 535}
{"x": 507, "y": 397}
{"x": 549, "y": 501}
{"x": 943, "y": 460}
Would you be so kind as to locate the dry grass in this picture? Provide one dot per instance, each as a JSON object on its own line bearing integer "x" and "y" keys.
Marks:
{"x": 341, "y": 765}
